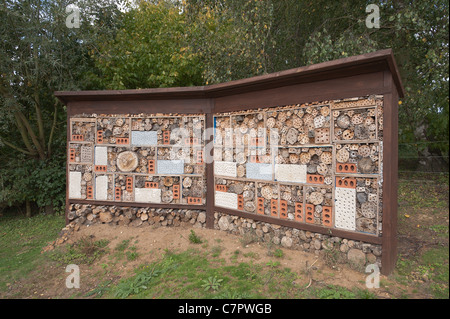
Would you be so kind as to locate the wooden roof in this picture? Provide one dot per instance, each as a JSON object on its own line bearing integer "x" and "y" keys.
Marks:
{"x": 355, "y": 65}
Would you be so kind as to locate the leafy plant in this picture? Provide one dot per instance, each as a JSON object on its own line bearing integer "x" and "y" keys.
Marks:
{"x": 211, "y": 283}
{"x": 136, "y": 284}
{"x": 144, "y": 276}
{"x": 335, "y": 292}
{"x": 86, "y": 250}
{"x": 273, "y": 264}
{"x": 278, "y": 253}
{"x": 227, "y": 294}
{"x": 194, "y": 238}
{"x": 100, "y": 289}
{"x": 132, "y": 254}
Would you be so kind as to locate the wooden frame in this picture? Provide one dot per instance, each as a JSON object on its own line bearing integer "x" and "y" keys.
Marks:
{"x": 368, "y": 74}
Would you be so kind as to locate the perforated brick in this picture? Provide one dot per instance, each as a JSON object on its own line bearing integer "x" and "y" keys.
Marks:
{"x": 260, "y": 205}
{"x": 314, "y": 179}
{"x": 345, "y": 168}
{"x": 151, "y": 184}
{"x": 327, "y": 216}
{"x": 309, "y": 213}
{"x": 346, "y": 182}
{"x": 117, "y": 194}
{"x": 241, "y": 202}
{"x": 194, "y": 200}
{"x": 299, "y": 212}
{"x": 274, "y": 207}
{"x": 283, "y": 209}
{"x": 176, "y": 191}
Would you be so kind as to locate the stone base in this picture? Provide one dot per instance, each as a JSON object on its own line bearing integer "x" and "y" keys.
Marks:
{"x": 357, "y": 254}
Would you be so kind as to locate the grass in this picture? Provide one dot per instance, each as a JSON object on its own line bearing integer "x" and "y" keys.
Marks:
{"x": 21, "y": 242}
{"x": 423, "y": 221}
{"x": 85, "y": 251}
{"x": 196, "y": 274}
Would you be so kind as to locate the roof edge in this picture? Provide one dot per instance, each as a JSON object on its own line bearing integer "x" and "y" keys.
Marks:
{"x": 205, "y": 91}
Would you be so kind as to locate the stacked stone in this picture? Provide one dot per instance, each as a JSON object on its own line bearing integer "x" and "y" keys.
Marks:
{"x": 134, "y": 216}
{"x": 357, "y": 253}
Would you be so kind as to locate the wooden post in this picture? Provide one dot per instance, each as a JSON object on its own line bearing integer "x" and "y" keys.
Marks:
{"x": 390, "y": 178}
{"x": 208, "y": 156}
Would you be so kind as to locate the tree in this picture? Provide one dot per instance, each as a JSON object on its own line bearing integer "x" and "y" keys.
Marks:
{"x": 150, "y": 50}
{"x": 416, "y": 31}
{"x": 231, "y": 37}
{"x": 39, "y": 54}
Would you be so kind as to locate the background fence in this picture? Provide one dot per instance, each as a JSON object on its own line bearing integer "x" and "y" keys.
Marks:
{"x": 424, "y": 156}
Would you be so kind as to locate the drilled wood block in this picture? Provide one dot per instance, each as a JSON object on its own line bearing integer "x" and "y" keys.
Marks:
{"x": 345, "y": 208}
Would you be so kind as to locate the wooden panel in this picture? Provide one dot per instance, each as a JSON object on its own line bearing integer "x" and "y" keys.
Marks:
{"x": 188, "y": 106}
{"x": 306, "y": 92}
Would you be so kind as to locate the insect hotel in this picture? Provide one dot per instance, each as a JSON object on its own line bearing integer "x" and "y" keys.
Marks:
{"x": 305, "y": 158}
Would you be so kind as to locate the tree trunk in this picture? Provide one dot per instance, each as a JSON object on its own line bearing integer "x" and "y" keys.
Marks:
{"x": 28, "y": 209}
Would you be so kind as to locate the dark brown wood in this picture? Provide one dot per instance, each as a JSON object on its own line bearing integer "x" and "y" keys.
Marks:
{"x": 359, "y": 85}
{"x": 68, "y": 133}
{"x": 187, "y": 106}
{"x": 209, "y": 155}
{"x": 390, "y": 181}
{"x": 303, "y": 226}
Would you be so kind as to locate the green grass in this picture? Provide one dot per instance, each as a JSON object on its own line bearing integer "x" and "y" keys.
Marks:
{"x": 191, "y": 274}
{"x": 85, "y": 251}
{"x": 434, "y": 264}
{"x": 197, "y": 274}
{"x": 21, "y": 242}
{"x": 423, "y": 219}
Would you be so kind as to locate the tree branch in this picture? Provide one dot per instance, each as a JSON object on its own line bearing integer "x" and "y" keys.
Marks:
{"x": 23, "y": 133}
{"x": 50, "y": 138}
{"x": 16, "y": 147}
{"x": 33, "y": 137}
{"x": 39, "y": 120}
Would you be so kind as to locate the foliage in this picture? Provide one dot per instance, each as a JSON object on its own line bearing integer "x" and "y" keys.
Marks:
{"x": 194, "y": 238}
{"x": 143, "y": 277}
{"x": 21, "y": 243}
{"x": 230, "y": 36}
{"x": 39, "y": 54}
{"x": 418, "y": 34}
{"x": 212, "y": 283}
{"x": 35, "y": 180}
{"x": 334, "y": 292}
{"x": 195, "y": 42}
{"x": 86, "y": 250}
{"x": 149, "y": 50}
{"x": 239, "y": 39}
